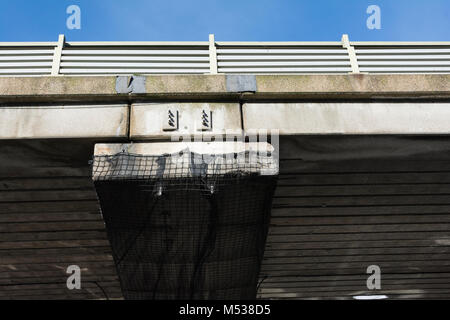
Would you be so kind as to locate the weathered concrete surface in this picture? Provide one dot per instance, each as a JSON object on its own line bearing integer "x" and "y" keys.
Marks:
{"x": 161, "y": 148}
{"x": 56, "y": 86}
{"x": 147, "y": 119}
{"x": 349, "y": 118}
{"x": 198, "y": 87}
{"x": 70, "y": 121}
{"x": 362, "y": 85}
{"x": 186, "y": 84}
{"x": 193, "y": 92}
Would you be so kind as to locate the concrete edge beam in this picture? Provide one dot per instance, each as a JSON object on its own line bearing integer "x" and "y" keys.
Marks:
{"x": 348, "y": 118}
{"x": 72, "y": 121}
{"x": 351, "y": 86}
{"x": 147, "y": 120}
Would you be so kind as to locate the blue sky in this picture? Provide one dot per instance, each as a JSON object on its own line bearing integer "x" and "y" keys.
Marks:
{"x": 229, "y": 20}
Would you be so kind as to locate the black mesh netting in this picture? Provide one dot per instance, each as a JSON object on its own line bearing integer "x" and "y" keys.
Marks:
{"x": 186, "y": 227}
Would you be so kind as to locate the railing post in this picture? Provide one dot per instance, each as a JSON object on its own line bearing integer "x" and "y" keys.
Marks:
{"x": 57, "y": 55}
{"x": 212, "y": 55}
{"x": 351, "y": 53}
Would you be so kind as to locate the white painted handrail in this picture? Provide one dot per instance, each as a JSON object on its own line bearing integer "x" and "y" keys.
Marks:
{"x": 216, "y": 57}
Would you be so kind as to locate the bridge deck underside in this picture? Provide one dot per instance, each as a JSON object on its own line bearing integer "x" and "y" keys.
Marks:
{"x": 342, "y": 203}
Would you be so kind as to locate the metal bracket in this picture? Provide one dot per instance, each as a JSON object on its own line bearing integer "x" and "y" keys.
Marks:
{"x": 205, "y": 120}
{"x": 241, "y": 83}
{"x": 170, "y": 121}
{"x": 131, "y": 84}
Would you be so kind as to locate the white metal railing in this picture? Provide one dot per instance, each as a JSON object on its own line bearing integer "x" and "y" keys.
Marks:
{"x": 211, "y": 57}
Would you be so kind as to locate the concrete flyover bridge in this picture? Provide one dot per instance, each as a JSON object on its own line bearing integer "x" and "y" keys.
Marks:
{"x": 209, "y": 170}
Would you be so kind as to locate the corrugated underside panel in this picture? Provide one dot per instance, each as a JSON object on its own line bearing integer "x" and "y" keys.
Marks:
{"x": 134, "y": 60}
{"x": 288, "y": 59}
{"x": 26, "y": 61}
{"x": 50, "y": 219}
{"x": 331, "y": 220}
{"x": 403, "y": 59}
